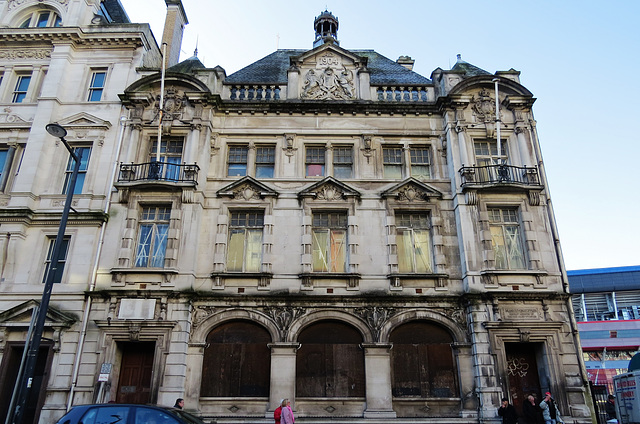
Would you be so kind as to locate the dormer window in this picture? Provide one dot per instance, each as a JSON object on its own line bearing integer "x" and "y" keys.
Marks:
{"x": 42, "y": 19}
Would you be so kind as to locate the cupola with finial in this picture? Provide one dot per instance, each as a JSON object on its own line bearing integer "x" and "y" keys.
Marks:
{"x": 326, "y": 26}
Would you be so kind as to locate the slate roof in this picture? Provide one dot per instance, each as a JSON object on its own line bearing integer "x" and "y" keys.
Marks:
{"x": 604, "y": 279}
{"x": 187, "y": 65}
{"x": 116, "y": 11}
{"x": 469, "y": 69}
{"x": 272, "y": 69}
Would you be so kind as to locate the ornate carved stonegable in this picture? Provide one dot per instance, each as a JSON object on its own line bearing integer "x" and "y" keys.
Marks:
{"x": 328, "y": 73}
{"x": 330, "y": 190}
{"x": 247, "y": 189}
{"x": 411, "y": 191}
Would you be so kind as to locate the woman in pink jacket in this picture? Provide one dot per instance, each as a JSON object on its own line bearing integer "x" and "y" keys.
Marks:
{"x": 287, "y": 414}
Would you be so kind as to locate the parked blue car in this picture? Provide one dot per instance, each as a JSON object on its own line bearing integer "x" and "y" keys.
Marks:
{"x": 116, "y": 413}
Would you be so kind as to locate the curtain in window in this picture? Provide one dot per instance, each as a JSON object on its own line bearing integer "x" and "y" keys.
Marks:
{"x": 245, "y": 250}
{"x": 414, "y": 251}
{"x": 235, "y": 252}
{"x": 254, "y": 250}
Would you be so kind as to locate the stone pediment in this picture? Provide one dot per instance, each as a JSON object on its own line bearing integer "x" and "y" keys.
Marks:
{"x": 20, "y": 315}
{"x": 411, "y": 191}
{"x": 84, "y": 120}
{"x": 247, "y": 188}
{"x": 10, "y": 119}
{"x": 328, "y": 73}
{"x": 329, "y": 189}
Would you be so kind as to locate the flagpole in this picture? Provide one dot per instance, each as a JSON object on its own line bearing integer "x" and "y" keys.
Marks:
{"x": 498, "y": 124}
{"x": 162, "y": 73}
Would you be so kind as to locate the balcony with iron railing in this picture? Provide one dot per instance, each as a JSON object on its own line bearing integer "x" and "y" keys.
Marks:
{"x": 180, "y": 174}
{"x": 500, "y": 175}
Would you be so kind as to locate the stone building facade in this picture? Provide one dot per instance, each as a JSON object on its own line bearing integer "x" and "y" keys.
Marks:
{"x": 324, "y": 225}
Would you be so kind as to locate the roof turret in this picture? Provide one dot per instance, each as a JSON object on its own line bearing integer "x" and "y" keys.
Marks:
{"x": 326, "y": 26}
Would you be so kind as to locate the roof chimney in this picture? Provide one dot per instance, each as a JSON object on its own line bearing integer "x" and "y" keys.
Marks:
{"x": 173, "y": 29}
{"x": 406, "y": 61}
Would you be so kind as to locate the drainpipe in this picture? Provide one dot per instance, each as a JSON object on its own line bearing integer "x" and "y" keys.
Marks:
{"x": 94, "y": 273}
{"x": 563, "y": 270}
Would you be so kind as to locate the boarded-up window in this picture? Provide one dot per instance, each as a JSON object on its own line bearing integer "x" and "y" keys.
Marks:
{"x": 330, "y": 362}
{"x": 329, "y": 241}
{"x": 236, "y": 361}
{"x": 422, "y": 361}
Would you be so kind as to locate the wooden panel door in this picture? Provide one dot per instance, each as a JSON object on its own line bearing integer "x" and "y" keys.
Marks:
{"x": 136, "y": 370}
{"x": 8, "y": 376}
{"x": 522, "y": 370}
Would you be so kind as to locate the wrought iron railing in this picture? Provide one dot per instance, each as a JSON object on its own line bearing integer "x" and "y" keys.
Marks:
{"x": 158, "y": 171}
{"x": 499, "y": 174}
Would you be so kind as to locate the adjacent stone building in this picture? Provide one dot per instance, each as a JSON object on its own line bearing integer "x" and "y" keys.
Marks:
{"x": 324, "y": 225}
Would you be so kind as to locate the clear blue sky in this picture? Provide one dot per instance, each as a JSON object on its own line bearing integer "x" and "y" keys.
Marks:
{"x": 577, "y": 57}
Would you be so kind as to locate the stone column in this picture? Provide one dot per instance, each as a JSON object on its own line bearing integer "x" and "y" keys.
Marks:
{"x": 193, "y": 377}
{"x": 377, "y": 366}
{"x": 523, "y": 147}
{"x": 193, "y": 144}
{"x": 283, "y": 374}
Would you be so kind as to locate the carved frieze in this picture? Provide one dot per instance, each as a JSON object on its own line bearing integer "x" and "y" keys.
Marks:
{"x": 32, "y": 54}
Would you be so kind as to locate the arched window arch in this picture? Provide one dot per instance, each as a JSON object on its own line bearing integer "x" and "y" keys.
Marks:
{"x": 236, "y": 361}
{"x": 330, "y": 362}
{"x": 422, "y": 362}
{"x": 40, "y": 18}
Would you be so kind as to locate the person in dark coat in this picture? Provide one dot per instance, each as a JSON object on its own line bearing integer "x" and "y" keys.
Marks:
{"x": 179, "y": 403}
{"x": 507, "y": 412}
{"x": 610, "y": 407}
{"x": 532, "y": 413}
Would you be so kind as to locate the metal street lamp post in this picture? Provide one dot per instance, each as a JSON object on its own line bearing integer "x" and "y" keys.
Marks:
{"x": 24, "y": 388}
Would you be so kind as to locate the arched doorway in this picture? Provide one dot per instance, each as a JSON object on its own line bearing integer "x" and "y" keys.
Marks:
{"x": 236, "y": 361}
{"x": 330, "y": 362}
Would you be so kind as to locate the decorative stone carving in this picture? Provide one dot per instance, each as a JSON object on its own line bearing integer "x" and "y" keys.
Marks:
{"x": 367, "y": 150}
{"x": 17, "y": 3}
{"x": 329, "y": 192}
{"x": 328, "y": 84}
{"x": 484, "y": 107}
{"x": 10, "y": 118}
{"x": 375, "y": 317}
{"x": 203, "y": 312}
{"x": 246, "y": 192}
{"x": 411, "y": 194}
{"x": 289, "y": 142}
{"x": 283, "y": 317}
